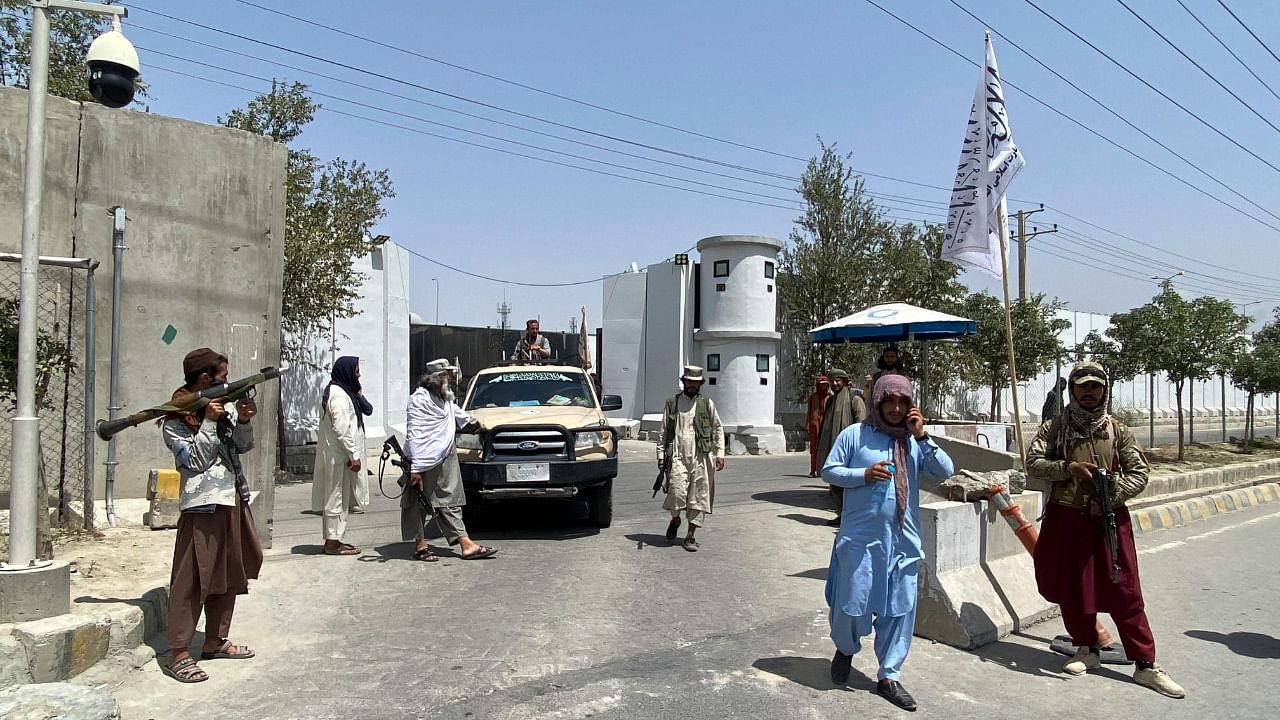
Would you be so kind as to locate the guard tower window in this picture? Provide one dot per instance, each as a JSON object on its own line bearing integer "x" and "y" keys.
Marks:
{"x": 713, "y": 362}
{"x": 762, "y": 363}
{"x": 768, "y": 270}
{"x": 721, "y": 268}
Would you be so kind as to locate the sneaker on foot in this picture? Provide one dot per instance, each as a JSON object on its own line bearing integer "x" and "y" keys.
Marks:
{"x": 1084, "y": 661}
{"x": 841, "y": 666}
{"x": 1157, "y": 679}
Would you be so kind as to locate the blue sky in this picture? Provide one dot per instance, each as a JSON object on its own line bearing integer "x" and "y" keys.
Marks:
{"x": 775, "y": 76}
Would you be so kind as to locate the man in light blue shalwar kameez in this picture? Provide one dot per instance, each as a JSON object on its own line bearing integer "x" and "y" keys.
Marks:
{"x": 871, "y": 583}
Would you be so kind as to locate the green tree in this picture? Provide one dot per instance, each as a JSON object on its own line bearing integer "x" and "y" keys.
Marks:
{"x": 842, "y": 256}
{"x": 53, "y": 357}
{"x": 1184, "y": 340}
{"x": 70, "y": 34}
{"x": 331, "y": 209}
{"x": 1035, "y": 339}
{"x": 1256, "y": 370}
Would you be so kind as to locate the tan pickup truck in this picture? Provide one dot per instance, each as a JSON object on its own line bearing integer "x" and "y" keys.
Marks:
{"x": 543, "y": 434}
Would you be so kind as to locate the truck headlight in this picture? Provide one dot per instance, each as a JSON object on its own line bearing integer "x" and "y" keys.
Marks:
{"x": 584, "y": 440}
{"x": 465, "y": 441}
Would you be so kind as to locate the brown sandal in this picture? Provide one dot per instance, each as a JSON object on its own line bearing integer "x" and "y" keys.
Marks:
{"x": 228, "y": 651}
{"x": 341, "y": 549}
{"x": 185, "y": 671}
{"x": 425, "y": 555}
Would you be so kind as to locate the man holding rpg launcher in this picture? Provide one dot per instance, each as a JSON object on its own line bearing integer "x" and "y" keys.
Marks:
{"x": 216, "y": 552}
{"x": 1085, "y": 560}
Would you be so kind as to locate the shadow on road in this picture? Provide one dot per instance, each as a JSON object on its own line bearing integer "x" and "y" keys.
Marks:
{"x": 1248, "y": 644}
{"x": 1041, "y": 662}
{"x": 814, "y": 574}
{"x": 811, "y": 672}
{"x": 806, "y": 519}
{"x": 307, "y": 550}
{"x": 649, "y": 539}
{"x": 807, "y": 497}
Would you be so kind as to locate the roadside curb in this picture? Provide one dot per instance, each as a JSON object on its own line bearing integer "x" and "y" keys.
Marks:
{"x": 64, "y": 646}
{"x": 1190, "y": 510}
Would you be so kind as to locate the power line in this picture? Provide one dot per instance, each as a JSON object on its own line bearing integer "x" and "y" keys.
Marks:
{"x": 461, "y": 98}
{"x": 1227, "y": 47}
{"x": 1074, "y": 121}
{"x": 1198, "y": 66}
{"x": 1153, "y": 88}
{"x": 521, "y": 85}
{"x": 499, "y": 108}
{"x": 1249, "y": 30}
{"x": 444, "y": 108}
{"x": 489, "y": 147}
{"x": 1108, "y": 108}
{"x": 1156, "y": 247}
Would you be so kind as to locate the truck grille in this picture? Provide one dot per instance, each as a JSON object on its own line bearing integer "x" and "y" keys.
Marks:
{"x": 528, "y": 443}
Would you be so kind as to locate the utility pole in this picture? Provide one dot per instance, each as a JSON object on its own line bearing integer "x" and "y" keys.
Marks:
{"x": 1023, "y": 237}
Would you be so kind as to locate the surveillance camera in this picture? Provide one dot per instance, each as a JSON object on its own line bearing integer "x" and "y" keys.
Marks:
{"x": 113, "y": 69}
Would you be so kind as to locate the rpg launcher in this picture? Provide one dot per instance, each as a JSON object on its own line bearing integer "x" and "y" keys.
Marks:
{"x": 226, "y": 392}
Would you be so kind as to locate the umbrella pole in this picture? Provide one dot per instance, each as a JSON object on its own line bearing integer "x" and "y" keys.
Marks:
{"x": 924, "y": 378}
{"x": 1002, "y": 221}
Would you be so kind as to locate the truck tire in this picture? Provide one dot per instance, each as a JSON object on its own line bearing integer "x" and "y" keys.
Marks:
{"x": 476, "y": 511}
{"x": 600, "y": 505}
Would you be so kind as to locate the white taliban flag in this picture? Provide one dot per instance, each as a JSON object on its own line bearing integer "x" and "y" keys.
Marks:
{"x": 988, "y": 163}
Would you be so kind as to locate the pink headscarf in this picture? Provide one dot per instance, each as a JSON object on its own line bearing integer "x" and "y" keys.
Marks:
{"x": 893, "y": 385}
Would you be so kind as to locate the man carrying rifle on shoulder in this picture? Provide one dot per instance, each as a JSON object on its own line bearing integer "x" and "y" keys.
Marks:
{"x": 1089, "y": 464}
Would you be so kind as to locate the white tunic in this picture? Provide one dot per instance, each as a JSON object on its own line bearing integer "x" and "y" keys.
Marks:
{"x": 341, "y": 439}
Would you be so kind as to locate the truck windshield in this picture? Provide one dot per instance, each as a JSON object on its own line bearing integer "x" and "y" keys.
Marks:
{"x": 531, "y": 389}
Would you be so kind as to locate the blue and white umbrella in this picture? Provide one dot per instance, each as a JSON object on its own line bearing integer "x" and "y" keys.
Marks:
{"x": 893, "y": 322}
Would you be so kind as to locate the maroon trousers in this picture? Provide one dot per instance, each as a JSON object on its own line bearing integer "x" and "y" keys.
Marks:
{"x": 814, "y": 465}
{"x": 1073, "y": 569}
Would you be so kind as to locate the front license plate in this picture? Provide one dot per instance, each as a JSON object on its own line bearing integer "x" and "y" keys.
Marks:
{"x": 528, "y": 472}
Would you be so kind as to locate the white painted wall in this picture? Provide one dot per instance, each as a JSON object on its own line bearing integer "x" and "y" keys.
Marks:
{"x": 668, "y": 339}
{"x": 378, "y": 334}
{"x": 623, "y": 330}
{"x": 738, "y": 394}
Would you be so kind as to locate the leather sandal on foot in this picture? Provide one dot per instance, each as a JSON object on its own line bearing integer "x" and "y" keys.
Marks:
{"x": 484, "y": 551}
{"x": 425, "y": 555}
{"x": 341, "y": 549}
{"x": 227, "y": 651}
{"x": 185, "y": 671}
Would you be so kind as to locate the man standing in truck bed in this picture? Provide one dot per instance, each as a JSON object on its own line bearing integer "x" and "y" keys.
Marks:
{"x": 693, "y": 445}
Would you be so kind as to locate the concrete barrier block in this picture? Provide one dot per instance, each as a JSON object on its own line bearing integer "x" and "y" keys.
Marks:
{"x": 961, "y": 608}
{"x": 128, "y": 628}
{"x": 34, "y": 593}
{"x": 63, "y": 646}
{"x": 14, "y": 669}
{"x": 58, "y": 700}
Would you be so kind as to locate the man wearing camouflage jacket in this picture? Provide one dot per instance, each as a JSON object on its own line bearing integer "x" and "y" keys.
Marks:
{"x": 1072, "y": 562}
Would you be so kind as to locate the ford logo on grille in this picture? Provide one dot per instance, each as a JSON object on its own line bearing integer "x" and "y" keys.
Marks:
{"x": 528, "y": 445}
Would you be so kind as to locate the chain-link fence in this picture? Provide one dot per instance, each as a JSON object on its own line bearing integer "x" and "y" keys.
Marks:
{"x": 62, "y": 379}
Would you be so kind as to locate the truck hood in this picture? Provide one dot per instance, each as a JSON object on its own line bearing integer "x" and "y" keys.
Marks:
{"x": 569, "y": 417}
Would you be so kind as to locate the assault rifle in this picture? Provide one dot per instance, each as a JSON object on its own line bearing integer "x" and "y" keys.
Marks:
{"x": 661, "y": 482}
{"x": 227, "y": 392}
{"x": 1104, "y": 485}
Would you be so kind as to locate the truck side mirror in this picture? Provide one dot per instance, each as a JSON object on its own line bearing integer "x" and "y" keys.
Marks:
{"x": 611, "y": 402}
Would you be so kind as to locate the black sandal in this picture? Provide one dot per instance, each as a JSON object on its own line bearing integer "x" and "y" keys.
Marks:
{"x": 484, "y": 551}
{"x": 185, "y": 671}
{"x": 425, "y": 555}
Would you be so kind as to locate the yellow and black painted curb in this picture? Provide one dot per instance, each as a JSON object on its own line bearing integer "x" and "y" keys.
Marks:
{"x": 1185, "y": 512}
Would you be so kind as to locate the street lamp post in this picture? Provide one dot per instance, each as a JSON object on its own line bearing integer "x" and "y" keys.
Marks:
{"x": 24, "y": 467}
{"x": 437, "y": 282}
{"x": 1167, "y": 282}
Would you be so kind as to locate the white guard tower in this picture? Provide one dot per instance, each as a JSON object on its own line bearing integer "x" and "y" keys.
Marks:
{"x": 737, "y": 340}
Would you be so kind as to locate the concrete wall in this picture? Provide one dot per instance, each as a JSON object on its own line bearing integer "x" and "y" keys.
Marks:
{"x": 622, "y": 370}
{"x": 206, "y": 251}
{"x": 378, "y": 334}
{"x": 668, "y": 333}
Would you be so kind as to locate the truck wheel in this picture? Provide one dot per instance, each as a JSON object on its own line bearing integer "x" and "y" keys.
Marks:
{"x": 476, "y": 510}
{"x": 600, "y": 505}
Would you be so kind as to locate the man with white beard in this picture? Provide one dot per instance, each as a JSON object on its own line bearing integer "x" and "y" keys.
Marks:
{"x": 434, "y": 474}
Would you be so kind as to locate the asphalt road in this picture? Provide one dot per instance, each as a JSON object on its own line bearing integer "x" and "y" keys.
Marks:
{"x": 570, "y": 622}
